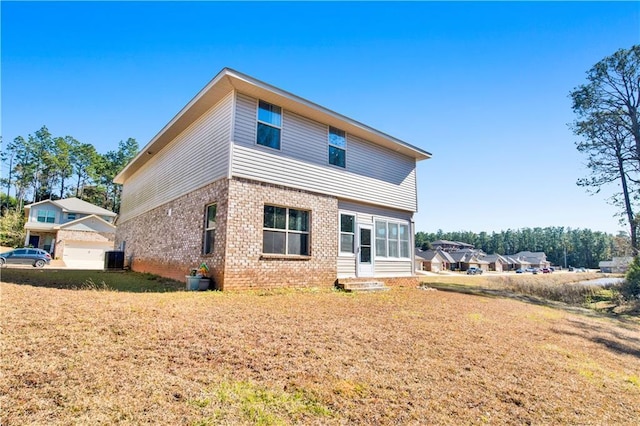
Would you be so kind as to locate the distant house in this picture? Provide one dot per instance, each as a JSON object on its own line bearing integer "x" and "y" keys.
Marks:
{"x": 449, "y": 246}
{"x": 497, "y": 262}
{"x": 534, "y": 259}
{"x": 72, "y": 230}
{"x": 465, "y": 259}
{"x": 618, "y": 265}
{"x": 433, "y": 260}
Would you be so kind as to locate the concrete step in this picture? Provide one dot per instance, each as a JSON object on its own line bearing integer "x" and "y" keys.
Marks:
{"x": 362, "y": 286}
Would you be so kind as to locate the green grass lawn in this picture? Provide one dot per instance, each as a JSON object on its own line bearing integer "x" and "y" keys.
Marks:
{"x": 99, "y": 280}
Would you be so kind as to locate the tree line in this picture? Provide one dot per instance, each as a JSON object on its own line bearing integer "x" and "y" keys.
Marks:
{"x": 42, "y": 166}
{"x": 580, "y": 247}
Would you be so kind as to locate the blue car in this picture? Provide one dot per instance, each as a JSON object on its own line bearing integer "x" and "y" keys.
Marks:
{"x": 25, "y": 256}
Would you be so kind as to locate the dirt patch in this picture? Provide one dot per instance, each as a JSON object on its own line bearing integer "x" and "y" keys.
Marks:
{"x": 408, "y": 356}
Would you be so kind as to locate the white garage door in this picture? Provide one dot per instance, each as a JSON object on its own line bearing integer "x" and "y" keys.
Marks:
{"x": 85, "y": 255}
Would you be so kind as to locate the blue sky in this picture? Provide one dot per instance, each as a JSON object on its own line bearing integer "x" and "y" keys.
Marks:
{"x": 482, "y": 86}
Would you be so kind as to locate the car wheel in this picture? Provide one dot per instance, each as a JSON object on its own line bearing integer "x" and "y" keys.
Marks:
{"x": 39, "y": 263}
{"x": 2, "y": 263}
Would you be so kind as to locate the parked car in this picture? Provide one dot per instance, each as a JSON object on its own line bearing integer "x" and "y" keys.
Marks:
{"x": 547, "y": 270}
{"x": 25, "y": 256}
{"x": 520, "y": 271}
{"x": 474, "y": 271}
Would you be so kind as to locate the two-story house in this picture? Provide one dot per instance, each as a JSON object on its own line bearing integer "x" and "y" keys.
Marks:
{"x": 269, "y": 189}
{"x": 72, "y": 230}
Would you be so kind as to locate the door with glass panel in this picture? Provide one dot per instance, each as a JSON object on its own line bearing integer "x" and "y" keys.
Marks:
{"x": 365, "y": 252}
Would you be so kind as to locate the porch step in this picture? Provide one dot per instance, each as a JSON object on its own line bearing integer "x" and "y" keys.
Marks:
{"x": 362, "y": 286}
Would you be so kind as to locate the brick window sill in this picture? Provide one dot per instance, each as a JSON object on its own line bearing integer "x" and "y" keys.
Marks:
{"x": 269, "y": 256}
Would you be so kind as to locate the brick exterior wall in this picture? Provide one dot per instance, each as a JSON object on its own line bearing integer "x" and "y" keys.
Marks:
{"x": 246, "y": 267}
{"x": 169, "y": 239}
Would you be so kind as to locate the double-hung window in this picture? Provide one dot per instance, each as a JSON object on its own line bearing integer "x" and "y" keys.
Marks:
{"x": 269, "y": 125}
{"x": 46, "y": 216}
{"x": 286, "y": 231}
{"x": 337, "y": 147}
{"x": 347, "y": 233}
{"x": 392, "y": 239}
{"x": 209, "y": 229}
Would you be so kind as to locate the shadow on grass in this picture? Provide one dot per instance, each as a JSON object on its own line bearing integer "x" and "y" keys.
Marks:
{"x": 132, "y": 282}
{"x": 605, "y": 336}
{"x": 527, "y": 298}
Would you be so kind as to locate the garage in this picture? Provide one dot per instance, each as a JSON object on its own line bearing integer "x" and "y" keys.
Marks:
{"x": 85, "y": 254}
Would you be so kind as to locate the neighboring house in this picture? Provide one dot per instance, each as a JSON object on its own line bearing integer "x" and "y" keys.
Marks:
{"x": 535, "y": 259}
{"x": 269, "y": 189}
{"x": 433, "y": 260}
{"x": 72, "y": 230}
{"x": 497, "y": 263}
{"x": 515, "y": 264}
{"x": 450, "y": 246}
{"x": 618, "y": 265}
{"x": 465, "y": 259}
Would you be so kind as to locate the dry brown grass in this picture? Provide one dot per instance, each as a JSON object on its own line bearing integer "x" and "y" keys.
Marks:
{"x": 408, "y": 356}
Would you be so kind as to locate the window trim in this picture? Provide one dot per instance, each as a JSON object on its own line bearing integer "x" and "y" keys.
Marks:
{"x": 331, "y": 145}
{"x": 207, "y": 229}
{"x": 48, "y": 214}
{"x": 400, "y": 223}
{"x": 286, "y": 231}
{"x": 258, "y": 122}
{"x": 355, "y": 227}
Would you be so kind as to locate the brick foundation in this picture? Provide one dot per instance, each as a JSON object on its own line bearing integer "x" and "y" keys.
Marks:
{"x": 168, "y": 240}
{"x": 246, "y": 266}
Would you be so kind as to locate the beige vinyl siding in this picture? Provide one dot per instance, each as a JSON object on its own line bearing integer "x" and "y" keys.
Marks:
{"x": 244, "y": 131}
{"x": 373, "y": 174}
{"x": 346, "y": 266}
{"x": 260, "y": 165}
{"x": 393, "y": 268}
{"x": 367, "y": 214}
{"x": 196, "y": 157}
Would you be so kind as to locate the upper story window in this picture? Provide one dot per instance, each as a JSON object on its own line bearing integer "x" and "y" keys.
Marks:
{"x": 46, "y": 216}
{"x": 71, "y": 216}
{"x": 286, "y": 231}
{"x": 209, "y": 228}
{"x": 337, "y": 147}
{"x": 269, "y": 125}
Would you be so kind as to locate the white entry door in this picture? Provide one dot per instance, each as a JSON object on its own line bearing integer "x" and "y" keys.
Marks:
{"x": 365, "y": 251}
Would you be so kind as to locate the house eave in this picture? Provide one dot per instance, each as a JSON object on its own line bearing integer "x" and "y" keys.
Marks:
{"x": 228, "y": 80}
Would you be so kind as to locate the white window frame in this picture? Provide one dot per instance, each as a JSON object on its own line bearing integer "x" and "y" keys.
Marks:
{"x": 47, "y": 214}
{"x": 398, "y": 241}
{"x": 340, "y": 233}
{"x": 286, "y": 231}
{"x": 208, "y": 228}
{"x": 266, "y": 123}
{"x": 331, "y": 145}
